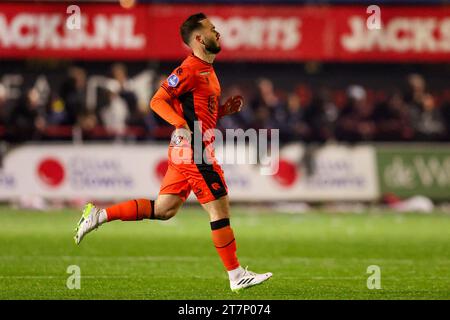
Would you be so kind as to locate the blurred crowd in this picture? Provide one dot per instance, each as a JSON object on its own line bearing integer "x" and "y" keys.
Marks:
{"x": 354, "y": 113}
{"x": 66, "y": 115}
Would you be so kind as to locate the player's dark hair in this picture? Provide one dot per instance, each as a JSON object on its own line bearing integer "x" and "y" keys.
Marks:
{"x": 190, "y": 25}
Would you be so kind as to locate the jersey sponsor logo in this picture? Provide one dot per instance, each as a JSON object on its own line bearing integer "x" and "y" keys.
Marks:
{"x": 173, "y": 80}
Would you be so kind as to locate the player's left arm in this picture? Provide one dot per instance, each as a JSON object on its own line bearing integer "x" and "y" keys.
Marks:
{"x": 232, "y": 105}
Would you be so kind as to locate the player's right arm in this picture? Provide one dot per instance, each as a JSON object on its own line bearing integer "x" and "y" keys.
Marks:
{"x": 179, "y": 82}
{"x": 161, "y": 103}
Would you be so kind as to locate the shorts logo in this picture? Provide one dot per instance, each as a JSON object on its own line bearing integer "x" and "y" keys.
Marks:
{"x": 173, "y": 80}
{"x": 215, "y": 186}
{"x": 198, "y": 191}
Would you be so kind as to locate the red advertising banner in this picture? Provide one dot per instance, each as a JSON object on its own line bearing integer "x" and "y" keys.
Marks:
{"x": 251, "y": 33}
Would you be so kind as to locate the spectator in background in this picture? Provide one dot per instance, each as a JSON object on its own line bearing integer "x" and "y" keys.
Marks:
{"x": 57, "y": 113}
{"x": 3, "y": 121}
{"x": 393, "y": 120}
{"x": 263, "y": 119}
{"x": 428, "y": 121}
{"x": 321, "y": 114}
{"x": 266, "y": 95}
{"x": 445, "y": 109}
{"x": 291, "y": 121}
{"x": 87, "y": 122}
{"x": 426, "y": 117}
{"x": 3, "y": 107}
{"x": 114, "y": 114}
{"x": 27, "y": 120}
{"x": 415, "y": 90}
{"x": 266, "y": 106}
{"x": 134, "y": 115}
{"x": 71, "y": 101}
{"x": 356, "y": 122}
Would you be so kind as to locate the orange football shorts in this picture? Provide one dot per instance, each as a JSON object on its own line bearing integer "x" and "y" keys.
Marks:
{"x": 206, "y": 180}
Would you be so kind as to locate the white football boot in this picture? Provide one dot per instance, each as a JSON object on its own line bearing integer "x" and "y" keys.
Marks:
{"x": 89, "y": 221}
{"x": 248, "y": 279}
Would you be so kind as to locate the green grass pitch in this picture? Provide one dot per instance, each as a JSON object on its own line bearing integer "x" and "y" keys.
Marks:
{"x": 312, "y": 256}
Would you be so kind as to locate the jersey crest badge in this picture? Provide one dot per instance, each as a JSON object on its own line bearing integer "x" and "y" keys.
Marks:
{"x": 173, "y": 80}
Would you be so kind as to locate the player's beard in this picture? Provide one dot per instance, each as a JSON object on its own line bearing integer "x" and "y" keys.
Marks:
{"x": 212, "y": 47}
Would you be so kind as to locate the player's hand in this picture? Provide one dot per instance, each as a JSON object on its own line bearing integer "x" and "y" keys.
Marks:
{"x": 232, "y": 105}
{"x": 180, "y": 135}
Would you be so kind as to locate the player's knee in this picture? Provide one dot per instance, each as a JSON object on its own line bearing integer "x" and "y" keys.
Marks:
{"x": 166, "y": 214}
{"x": 166, "y": 206}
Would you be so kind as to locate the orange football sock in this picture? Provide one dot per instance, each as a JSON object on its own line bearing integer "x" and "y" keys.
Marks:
{"x": 131, "y": 210}
{"x": 223, "y": 239}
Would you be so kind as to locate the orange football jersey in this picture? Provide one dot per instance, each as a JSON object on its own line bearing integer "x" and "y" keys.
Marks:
{"x": 196, "y": 91}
